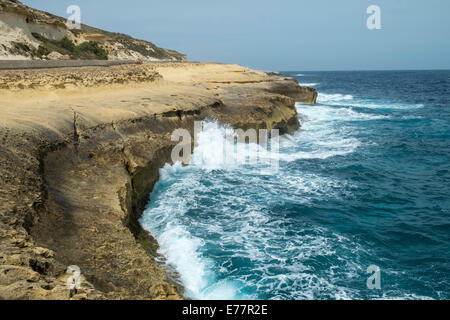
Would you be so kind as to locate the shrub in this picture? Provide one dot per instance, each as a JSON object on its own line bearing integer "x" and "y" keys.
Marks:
{"x": 22, "y": 46}
{"x": 65, "y": 46}
{"x": 42, "y": 51}
{"x": 91, "y": 49}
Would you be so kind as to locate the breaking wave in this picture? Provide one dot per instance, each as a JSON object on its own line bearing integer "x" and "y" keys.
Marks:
{"x": 310, "y": 229}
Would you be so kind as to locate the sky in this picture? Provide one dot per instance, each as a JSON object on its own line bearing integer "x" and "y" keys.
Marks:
{"x": 295, "y": 35}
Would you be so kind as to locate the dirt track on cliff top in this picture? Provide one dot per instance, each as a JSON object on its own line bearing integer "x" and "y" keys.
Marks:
{"x": 80, "y": 151}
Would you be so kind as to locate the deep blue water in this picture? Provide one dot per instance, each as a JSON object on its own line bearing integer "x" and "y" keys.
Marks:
{"x": 366, "y": 181}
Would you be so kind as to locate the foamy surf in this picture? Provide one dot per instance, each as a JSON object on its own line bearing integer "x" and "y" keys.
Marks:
{"x": 185, "y": 240}
{"x": 325, "y": 98}
{"x": 183, "y": 250}
{"x": 312, "y": 84}
{"x": 310, "y": 229}
{"x": 347, "y": 100}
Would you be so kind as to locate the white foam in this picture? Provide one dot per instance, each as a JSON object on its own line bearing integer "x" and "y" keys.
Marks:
{"x": 164, "y": 217}
{"x": 252, "y": 235}
{"x": 326, "y": 98}
{"x": 348, "y": 100}
{"x": 208, "y": 204}
{"x": 392, "y": 295}
{"x": 182, "y": 250}
{"x": 323, "y": 134}
{"x": 312, "y": 84}
{"x": 298, "y": 280}
{"x": 216, "y": 150}
{"x": 400, "y": 106}
{"x": 331, "y": 113}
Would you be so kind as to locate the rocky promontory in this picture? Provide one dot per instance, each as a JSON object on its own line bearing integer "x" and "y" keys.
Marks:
{"x": 80, "y": 151}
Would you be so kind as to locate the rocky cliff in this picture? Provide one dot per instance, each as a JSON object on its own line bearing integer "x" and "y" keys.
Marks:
{"x": 27, "y": 33}
{"x": 80, "y": 152}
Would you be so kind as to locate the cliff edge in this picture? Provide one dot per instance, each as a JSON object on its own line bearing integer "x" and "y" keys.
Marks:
{"x": 80, "y": 153}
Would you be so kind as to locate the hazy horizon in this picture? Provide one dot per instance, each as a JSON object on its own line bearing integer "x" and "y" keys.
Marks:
{"x": 288, "y": 35}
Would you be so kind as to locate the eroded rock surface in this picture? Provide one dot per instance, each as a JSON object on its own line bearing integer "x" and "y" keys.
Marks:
{"x": 77, "y": 165}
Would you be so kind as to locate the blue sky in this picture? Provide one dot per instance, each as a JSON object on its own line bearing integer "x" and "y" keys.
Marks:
{"x": 281, "y": 35}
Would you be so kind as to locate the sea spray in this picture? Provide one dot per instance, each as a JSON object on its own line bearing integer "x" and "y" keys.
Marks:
{"x": 362, "y": 183}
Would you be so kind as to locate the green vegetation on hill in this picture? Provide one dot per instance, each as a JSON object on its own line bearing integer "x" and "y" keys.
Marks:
{"x": 86, "y": 51}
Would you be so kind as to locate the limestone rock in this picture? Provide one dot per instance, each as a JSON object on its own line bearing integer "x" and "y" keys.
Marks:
{"x": 80, "y": 153}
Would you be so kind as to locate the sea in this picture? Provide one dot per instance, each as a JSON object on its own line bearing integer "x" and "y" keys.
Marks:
{"x": 357, "y": 208}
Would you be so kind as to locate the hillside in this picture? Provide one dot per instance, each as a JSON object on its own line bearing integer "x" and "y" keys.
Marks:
{"x": 27, "y": 33}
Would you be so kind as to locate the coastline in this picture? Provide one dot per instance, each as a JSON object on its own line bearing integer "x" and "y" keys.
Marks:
{"x": 80, "y": 165}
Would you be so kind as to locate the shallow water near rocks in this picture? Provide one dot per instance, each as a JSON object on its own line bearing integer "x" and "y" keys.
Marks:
{"x": 365, "y": 181}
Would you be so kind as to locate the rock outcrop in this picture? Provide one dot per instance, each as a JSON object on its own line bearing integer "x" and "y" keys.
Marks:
{"x": 76, "y": 78}
{"x": 78, "y": 161}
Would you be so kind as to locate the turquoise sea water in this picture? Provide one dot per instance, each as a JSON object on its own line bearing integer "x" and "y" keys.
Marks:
{"x": 365, "y": 181}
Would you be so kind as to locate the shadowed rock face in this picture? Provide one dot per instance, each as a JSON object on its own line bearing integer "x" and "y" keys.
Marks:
{"x": 77, "y": 165}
